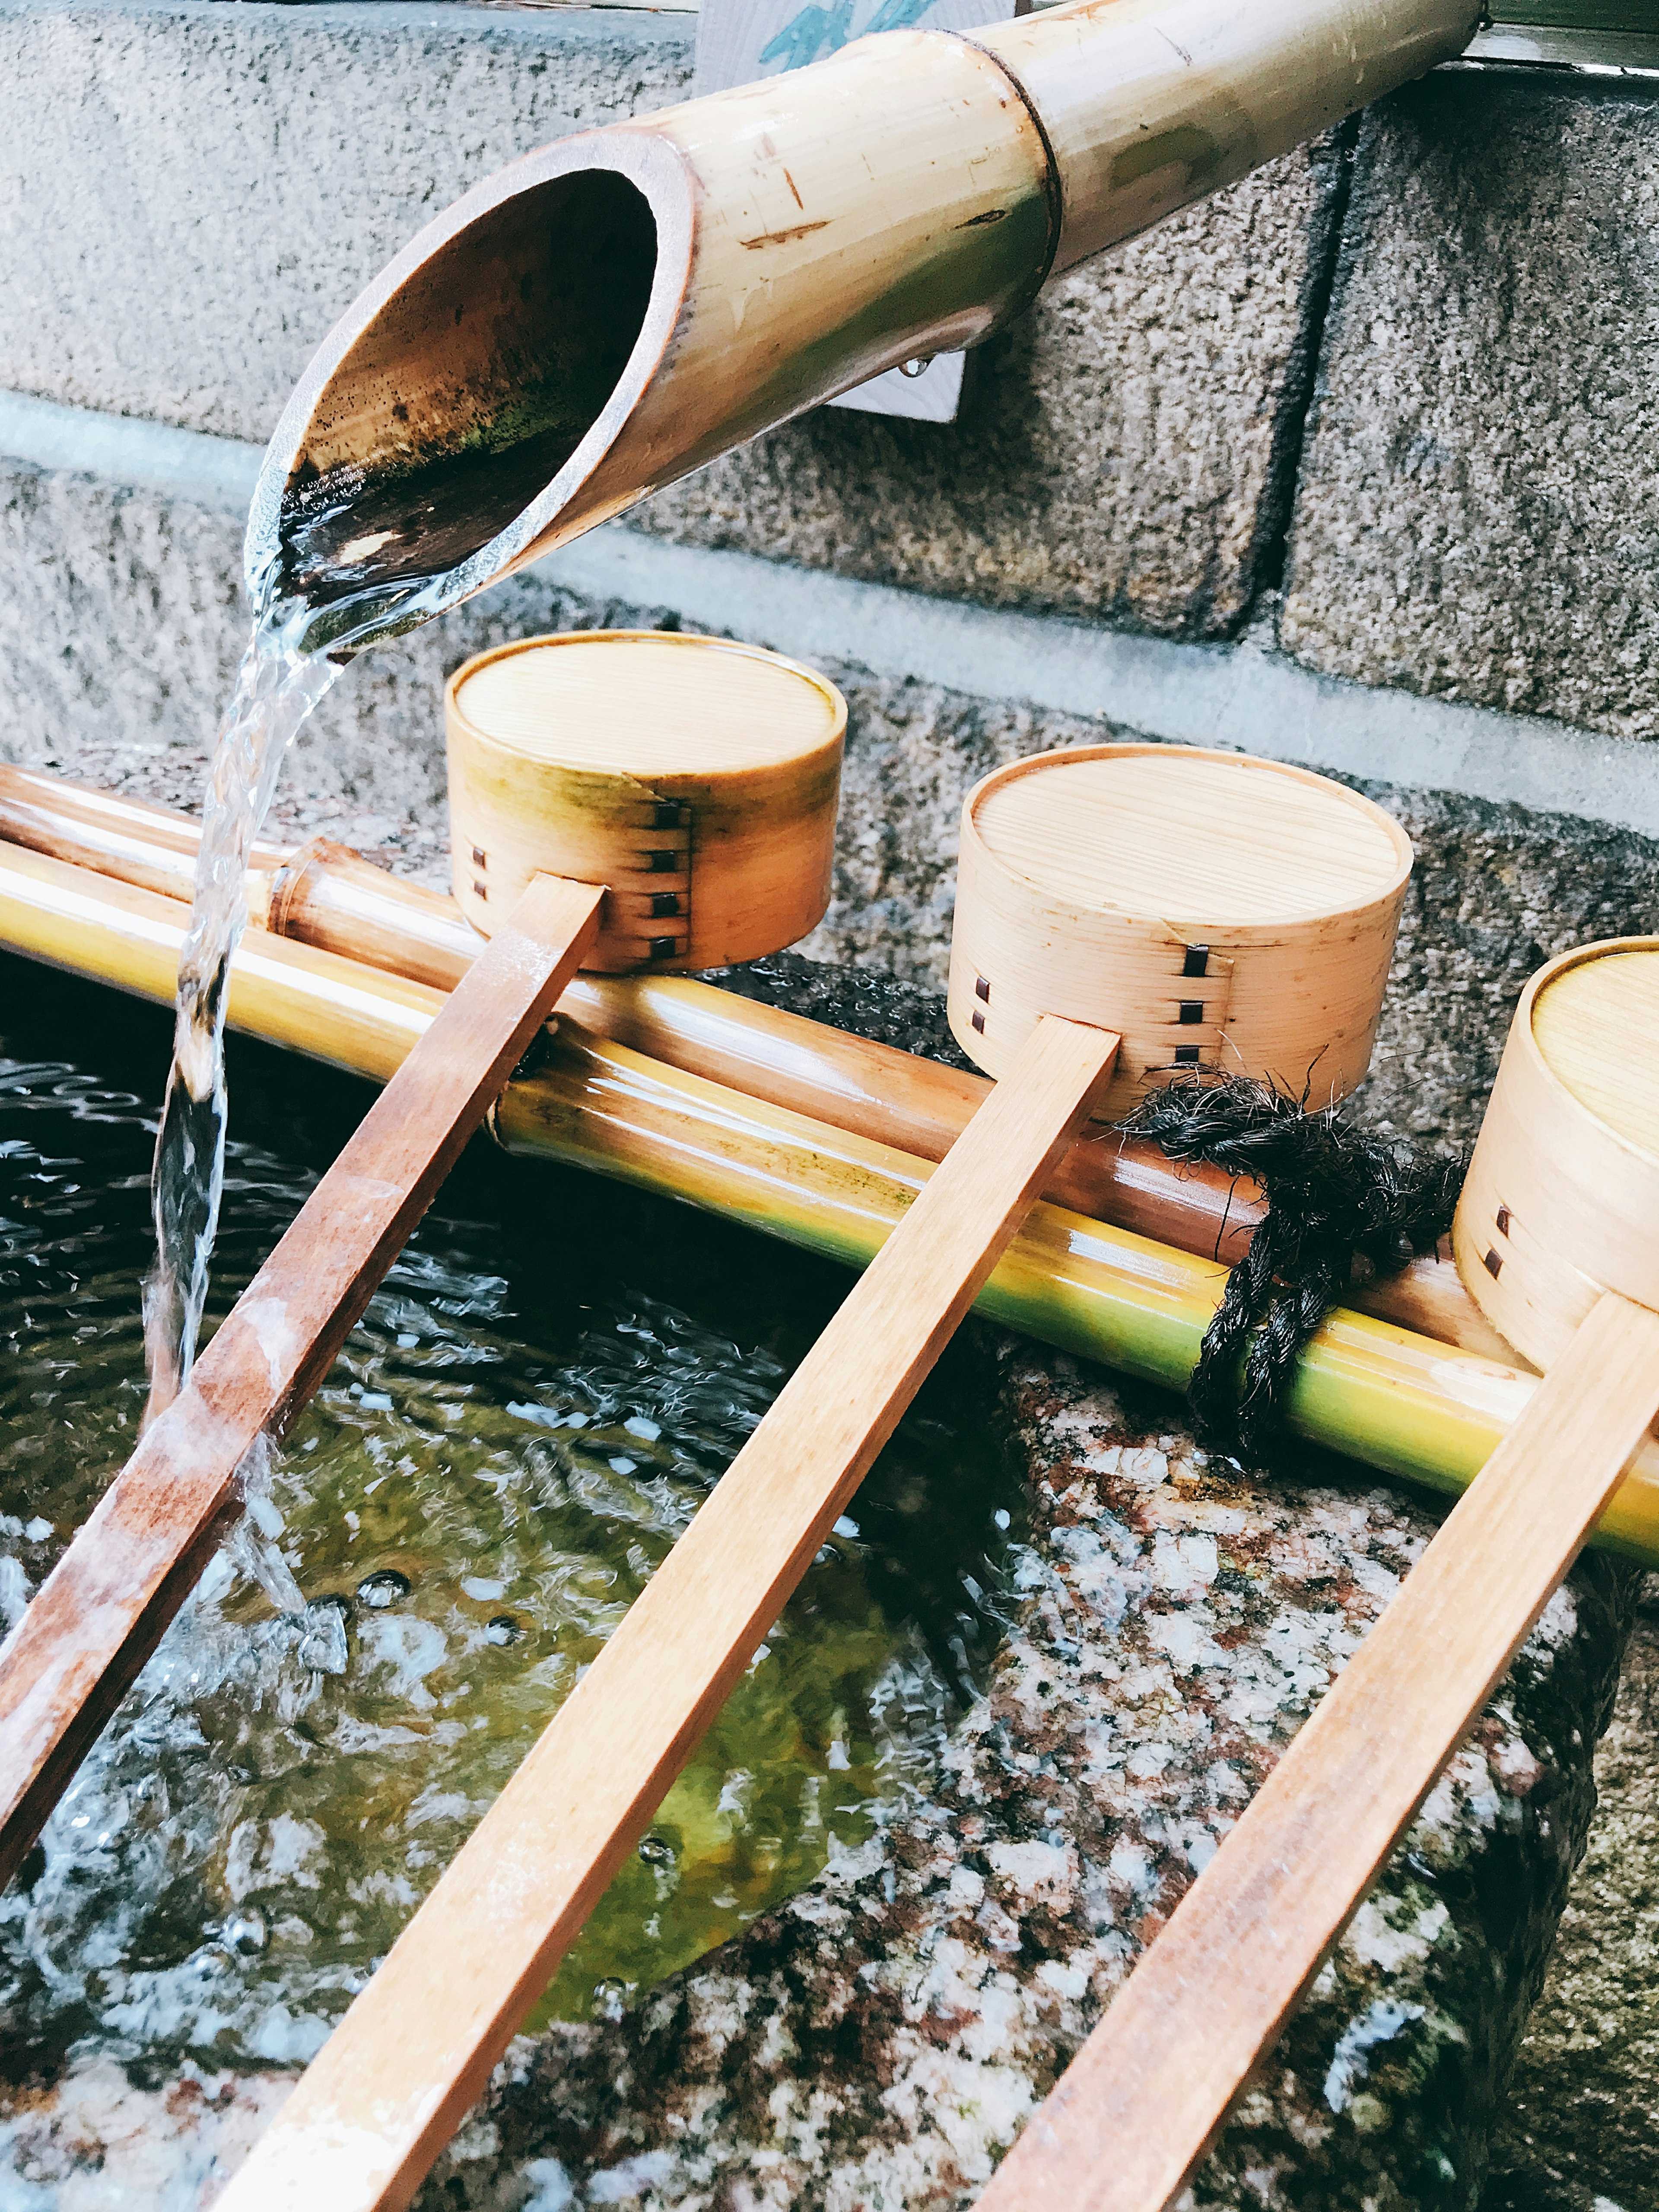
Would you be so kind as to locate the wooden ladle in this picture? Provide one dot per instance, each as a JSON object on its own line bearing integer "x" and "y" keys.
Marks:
{"x": 620, "y": 800}
{"x": 1122, "y": 910}
{"x": 1557, "y": 1237}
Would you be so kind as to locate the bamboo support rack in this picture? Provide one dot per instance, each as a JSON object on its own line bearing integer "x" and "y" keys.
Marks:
{"x": 324, "y": 895}
{"x": 1557, "y": 1232}
{"x": 1422, "y": 1395}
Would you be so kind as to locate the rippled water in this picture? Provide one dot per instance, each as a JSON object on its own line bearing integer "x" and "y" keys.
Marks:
{"x": 551, "y": 1379}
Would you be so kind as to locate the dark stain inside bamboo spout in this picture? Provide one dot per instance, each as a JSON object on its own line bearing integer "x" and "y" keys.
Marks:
{"x": 349, "y": 536}
{"x": 467, "y": 393}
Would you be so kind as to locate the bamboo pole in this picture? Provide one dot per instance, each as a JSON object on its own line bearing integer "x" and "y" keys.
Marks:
{"x": 102, "y": 1610}
{"x": 724, "y": 265}
{"x": 1425, "y": 1410}
{"x": 324, "y": 895}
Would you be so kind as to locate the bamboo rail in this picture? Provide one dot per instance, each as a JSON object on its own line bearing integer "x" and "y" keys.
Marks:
{"x": 1429, "y": 1411}
{"x": 325, "y": 895}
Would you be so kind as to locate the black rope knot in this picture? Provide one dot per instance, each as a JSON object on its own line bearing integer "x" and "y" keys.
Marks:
{"x": 1335, "y": 1196}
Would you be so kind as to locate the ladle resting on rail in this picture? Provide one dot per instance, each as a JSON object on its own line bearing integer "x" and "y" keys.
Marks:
{"x": 1278, "y": 894}
{"x": 756, "y": 777}
{"x": 1557, "y": 1235}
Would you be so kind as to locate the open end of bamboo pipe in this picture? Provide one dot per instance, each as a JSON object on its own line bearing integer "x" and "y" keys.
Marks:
{"x": 614, "y": 311}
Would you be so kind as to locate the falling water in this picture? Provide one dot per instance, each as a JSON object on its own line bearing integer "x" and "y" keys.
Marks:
{"x": 277, "y": 685}
{"x": 362, "y": 562}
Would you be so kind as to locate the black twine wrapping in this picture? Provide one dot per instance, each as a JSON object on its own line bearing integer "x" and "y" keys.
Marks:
{"x": 1334, "y": 1197}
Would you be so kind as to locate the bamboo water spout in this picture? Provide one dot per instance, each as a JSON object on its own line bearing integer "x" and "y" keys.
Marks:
{"x": 607, "y": 314}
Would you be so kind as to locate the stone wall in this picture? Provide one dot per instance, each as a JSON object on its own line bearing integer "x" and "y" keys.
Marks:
{"x": 1477, "y": 509}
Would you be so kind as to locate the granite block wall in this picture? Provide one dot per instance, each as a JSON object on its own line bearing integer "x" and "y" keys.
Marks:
{"x": 1477, "y": 514}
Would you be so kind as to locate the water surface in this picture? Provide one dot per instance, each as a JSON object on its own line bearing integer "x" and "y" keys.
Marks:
{"x": 553, "y": 1377}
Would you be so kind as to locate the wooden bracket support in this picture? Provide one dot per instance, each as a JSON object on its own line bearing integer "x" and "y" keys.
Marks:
{"x": 102, "y": 1611}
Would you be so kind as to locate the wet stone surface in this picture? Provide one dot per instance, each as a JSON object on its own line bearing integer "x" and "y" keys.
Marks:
{"x": 879, "y": 2041}
{"x": 1597, "y": 2023}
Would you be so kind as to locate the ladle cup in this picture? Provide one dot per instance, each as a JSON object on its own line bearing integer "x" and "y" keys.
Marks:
{"x": 1557, "y": 1237}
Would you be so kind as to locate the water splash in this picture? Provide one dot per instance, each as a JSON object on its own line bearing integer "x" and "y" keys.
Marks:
{"x": 277, "y": 685}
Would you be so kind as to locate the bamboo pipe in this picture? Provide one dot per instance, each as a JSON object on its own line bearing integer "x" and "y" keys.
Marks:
{"x": 102, "y": 1610}
{"x": 327, "y": 896}
{"x": 1556, "y": 1231}
{"x": 1427, "y": 1412}
{"x": 724, "y": 265}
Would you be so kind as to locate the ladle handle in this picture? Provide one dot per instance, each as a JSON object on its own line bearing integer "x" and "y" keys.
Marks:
{"x": 1149, "y": 2092}
{"x": 415, "y": 2049}
{"x": 102, "y": 1610}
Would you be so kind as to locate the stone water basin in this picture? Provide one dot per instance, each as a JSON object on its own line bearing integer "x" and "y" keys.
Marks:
{"x": 1047, "y": 1727}
{"x": 553, "y": 1377}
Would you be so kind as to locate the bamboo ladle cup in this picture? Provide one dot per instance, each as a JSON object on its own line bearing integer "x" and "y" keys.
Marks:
{"x": 599, "y": 779}
{"x": 1121, "y": 910}
{"x": 1557, "y": 1237}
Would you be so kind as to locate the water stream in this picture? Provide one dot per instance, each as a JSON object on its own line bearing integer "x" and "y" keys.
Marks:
{"x": 554, "y": 1375}
{"x": 344, "y": 584}
{"x": 530, "y": 1413}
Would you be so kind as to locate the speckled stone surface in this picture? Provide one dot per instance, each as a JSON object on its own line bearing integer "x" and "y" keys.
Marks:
{"x": 1597, "y": 2023}
{"x": 878, "y": 2041}
{"x": 1477, "y": 512}
{"x": 1125, "y": 451}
